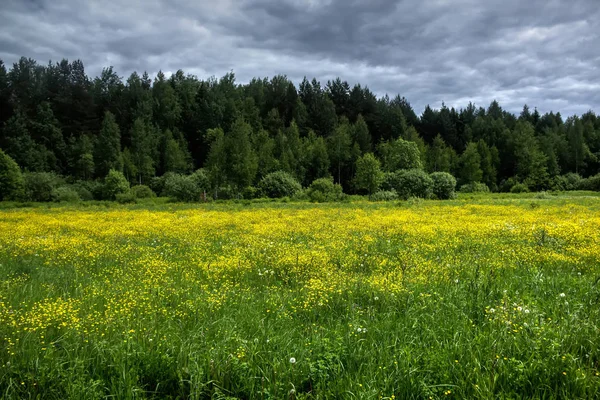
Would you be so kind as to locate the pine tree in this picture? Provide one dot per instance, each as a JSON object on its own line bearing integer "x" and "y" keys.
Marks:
{"x": 107, "y": 151}
{"x": 470, "y": 164}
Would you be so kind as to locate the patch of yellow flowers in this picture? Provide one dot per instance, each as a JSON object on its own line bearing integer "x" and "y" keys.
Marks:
{"x": 126, "y": 270}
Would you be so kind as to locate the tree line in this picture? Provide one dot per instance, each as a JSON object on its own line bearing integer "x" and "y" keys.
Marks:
{"x": 56, "y": 119}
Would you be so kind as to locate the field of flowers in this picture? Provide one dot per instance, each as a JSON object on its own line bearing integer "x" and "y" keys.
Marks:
{"x": 363, "y": 300}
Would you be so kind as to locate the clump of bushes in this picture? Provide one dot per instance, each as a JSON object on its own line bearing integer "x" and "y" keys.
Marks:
{"x": 519, "y": 188}
{"x": 591, "y": 183}
{"x": 570, "y": 181}
{"x": 385, "y": 195}
{"x": 474, "y": 187}
{"x": 12, "y": 184}
{"x": 444, "y": 185}
{"x": 323, "y": 189}
{"x": 409, "y": 183}
{"x": 115, "y": 183}
{"x": 279, "y": 184}
{"x": 65, "y": 194}
{"x": 181, "y": 188}
{"x": 40, "y": 185}
{"x": 142, "y": 192}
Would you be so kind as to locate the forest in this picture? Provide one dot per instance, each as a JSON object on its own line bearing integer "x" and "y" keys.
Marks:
{"x": 58, "y": 122}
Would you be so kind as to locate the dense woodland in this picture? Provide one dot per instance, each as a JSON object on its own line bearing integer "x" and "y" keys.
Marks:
{"x": 54, "y": 118}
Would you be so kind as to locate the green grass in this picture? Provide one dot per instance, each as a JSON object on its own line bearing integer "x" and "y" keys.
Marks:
{"x": 481, "y": 323}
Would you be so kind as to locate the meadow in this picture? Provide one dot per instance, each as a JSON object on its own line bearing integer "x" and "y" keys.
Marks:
{"x": 482, "y": 297}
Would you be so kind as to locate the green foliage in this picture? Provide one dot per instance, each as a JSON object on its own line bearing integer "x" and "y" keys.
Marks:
{"x": 142, "y": 192}
{"x": 368, "y": 173}
{"x": 474, "y": 187}
{"x": 570, "y": 181}
{"x": 182, "y": 188}
{"x": 519, "y": 188}
{"x": 470, "y": 165}
{"x": 125, "y": 198}
{"x": 39, "y": 185}
{"x": 115, "y": 183}
{"x": 400, "y": 154}
{"x": 107, "y": 151}
{"x": 279, "y": 184}
{"x": 409, "y": 183}
{"x": 444, "y": 185}
{"x": 324, "y": 190}
{"x": 65, "y": 194}
{"x": 591, "y": 183}
{"x": 54, "y": 118}
{"x": 384, "y": 195}
{"x": 12, "y": 184}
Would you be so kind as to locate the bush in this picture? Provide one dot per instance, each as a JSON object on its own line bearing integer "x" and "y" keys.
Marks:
{"x": 12, "y": 184}
{"x": 474, "y": 187}
{"x": 519, "y": 188}
{"x": 279, "y": 184}
{"x": 444, "y": 185}
{"x": 202, "y": 180}
{"x": 250, "y": 192}
{"x": 182, "y": 188}
{"x": 507, "y": 184}
{"x": 142, "y": 192}
{"x": 409, "y": 183}
{"x": 84, "y": 190}
{"x": 591, "y": 183}
{"x": 384, "y": 195}
{"x": 39, "y": 185}
{"x": 115, "y": 183}
{"x": 570, "y": 181}
{"x": 65, "y": 194}
{"x": 323, "y": 189}
{"x": 125, "y": 198}
{"x": 157, "y": 184}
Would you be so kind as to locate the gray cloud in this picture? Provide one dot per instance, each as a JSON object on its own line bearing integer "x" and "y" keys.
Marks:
{"x": 540, "y": 52}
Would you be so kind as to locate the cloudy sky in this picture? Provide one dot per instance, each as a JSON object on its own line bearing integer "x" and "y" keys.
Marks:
{"x": 545, "y": 53}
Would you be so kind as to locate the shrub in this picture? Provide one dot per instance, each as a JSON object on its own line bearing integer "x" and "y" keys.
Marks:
{"x": 250, "y": 192}
{"x": 507, "y": 184}
{"x": 39, "y": 185}
{"x": 226, "y": 193}
{"x": 115, "y": 183}
{"x": 570, "y": 181}
{"x": 279, "y": 184}
{"x": 182, "y": 188}
{"x": 85, "y": 189}
{"x": 474, "y": 187}
{"x": 591, "y": 183}
{"x": 323, "y": 189}
{"x": 125, "y": 198}
{"x": 409, "y": 183}
{"x": 519, "y": 188}
{"x": 157, "y": 184}
{"x": 12, "y": 184}
{"x": 142, "y": 192}
{"x": 384, "y": 195}
{"x": 65, "y": 194}
{"x": 202, "y": 180}
{"x": 444, "y": 185}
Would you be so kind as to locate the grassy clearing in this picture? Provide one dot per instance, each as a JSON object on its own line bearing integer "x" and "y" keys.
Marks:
{"x": 480, "y": 297}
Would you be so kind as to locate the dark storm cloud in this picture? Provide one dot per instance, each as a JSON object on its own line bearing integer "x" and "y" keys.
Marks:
{"x": 540, "y": 52}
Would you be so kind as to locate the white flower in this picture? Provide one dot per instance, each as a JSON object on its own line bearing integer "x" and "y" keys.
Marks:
{"x": 292, "y": 360}
{"x": 376, "y": 298}
{"x": 359, "y": 330}
{"x": 519, "y": 308}
{"x": 527, "y": 311}
{"x": 562, "y": 295}
{"x": 492, "y": 310}
{"x": 456, "y": 281}
{"x": 364, "y": 330}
